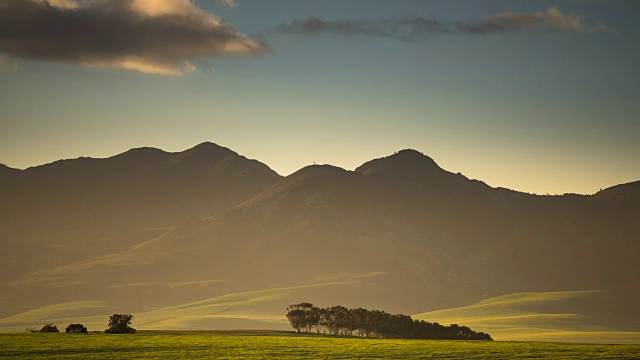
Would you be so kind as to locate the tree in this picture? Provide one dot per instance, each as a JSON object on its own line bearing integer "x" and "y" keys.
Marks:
{"x": 296, "y": 316}
{"x": 303, "y": 316}
{"x": 119, "y": 324}
{"x": 49, "y": 328}
{"x": 76, "y": 329}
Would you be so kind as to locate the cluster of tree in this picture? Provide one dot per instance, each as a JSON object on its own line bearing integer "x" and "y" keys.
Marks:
{"x": 118, "y": 324}
{"x": 339, "y": 320}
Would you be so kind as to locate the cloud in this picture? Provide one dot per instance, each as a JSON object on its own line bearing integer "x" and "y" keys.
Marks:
{"x": 598, "y": 26}
{"x": 552, "y": 20}
{"x": 62, "y": 4}
{"x": 405, "y": 29}
{"x": 412, "y": 28}
{"x": 150, "y": 36}
{"x": 228, "y": 3}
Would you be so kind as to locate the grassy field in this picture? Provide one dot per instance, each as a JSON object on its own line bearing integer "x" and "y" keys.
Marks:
{"x": 258, "y": 345}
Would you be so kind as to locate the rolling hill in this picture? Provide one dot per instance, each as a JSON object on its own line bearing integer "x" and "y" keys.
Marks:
{"x": 541, "y": 316}
{"x": 398, "y": 233}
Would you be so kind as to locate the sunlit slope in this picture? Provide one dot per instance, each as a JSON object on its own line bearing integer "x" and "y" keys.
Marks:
{"x": 532, "y": 316}
{"x": 262, "y": 309}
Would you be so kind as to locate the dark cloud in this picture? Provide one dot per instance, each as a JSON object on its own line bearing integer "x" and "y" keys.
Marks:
{"x": 406, "y": 29}
{"x": 151, "y": 36}
{"x": 412, "y": 28}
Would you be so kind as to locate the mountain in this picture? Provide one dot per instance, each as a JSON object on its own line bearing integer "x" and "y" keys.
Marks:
{"x": 72, "y": 210}
{"x": 398, "y": 233}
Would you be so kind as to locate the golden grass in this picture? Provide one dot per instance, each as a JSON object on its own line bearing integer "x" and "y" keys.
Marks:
{"x": 249, "y": 309}
{"x": 525, "y": 316}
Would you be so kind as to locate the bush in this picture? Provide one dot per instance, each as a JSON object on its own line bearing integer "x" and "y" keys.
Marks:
{"x": 49, "y": 328}
{"x": 76, "y": 329}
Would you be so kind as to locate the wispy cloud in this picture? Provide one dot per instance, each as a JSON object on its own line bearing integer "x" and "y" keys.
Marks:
{"x": 228, "y": 3}
{"x": 150, "y": 36}
{"x": 600, "y": 27}
{"x": 406, "y": 29}
{"x": 412, "y": 28}
{"x": 551, "y": 20}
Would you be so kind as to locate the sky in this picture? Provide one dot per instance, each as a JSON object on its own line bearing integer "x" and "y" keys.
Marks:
{"x": 536, "y": 96}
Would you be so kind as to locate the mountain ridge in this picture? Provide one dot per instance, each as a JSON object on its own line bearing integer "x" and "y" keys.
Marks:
{"x": 66, "y": 203}
{"x": 365, "y": 168}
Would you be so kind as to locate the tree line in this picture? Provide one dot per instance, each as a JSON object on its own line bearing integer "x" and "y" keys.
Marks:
{"x": 338, "y": 320}
{"x": 118, "y": 324}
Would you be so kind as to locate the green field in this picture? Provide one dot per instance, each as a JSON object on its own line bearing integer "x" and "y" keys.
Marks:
{"x": 286, "y": 346}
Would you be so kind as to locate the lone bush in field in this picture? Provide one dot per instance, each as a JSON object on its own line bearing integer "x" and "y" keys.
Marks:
{"x": 119, "y": 324}
{"x": 76, "y": 329}
{"x": 49, "y": 328}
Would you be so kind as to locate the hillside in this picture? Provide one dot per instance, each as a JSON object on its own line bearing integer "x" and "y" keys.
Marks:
{"x": 540, "y": 316}
{"x": 73, "y": 210}
{"x": 399, "y": 233}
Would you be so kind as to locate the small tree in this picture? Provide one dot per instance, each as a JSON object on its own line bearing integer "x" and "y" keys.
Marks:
{"x": 76, "y": 329}
{"x": 49, "y": 328}
{"x": 119, "y": 324}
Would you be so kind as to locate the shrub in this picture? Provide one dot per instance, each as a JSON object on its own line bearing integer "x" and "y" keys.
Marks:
{"x": 76, "y": 329}
{"x": 49, "y": 328}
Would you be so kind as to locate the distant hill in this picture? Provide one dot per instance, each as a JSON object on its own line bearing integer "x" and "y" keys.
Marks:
{"x": 399, "y": 233}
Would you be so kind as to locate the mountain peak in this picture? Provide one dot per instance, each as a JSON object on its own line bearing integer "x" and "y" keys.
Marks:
{"x": 409, "y": 152}
{"x": 407, "y": 162}
{"x": 208, "y": 146}
{"x": 142, "y": 151}
{"x": 205, "y": 152}
{"x": 4, "y": 169}
{"x": 628, "y": 193}
{"x": 142, "y": 156}
{"x": 411, "y": 155}
{"x": 317, "y": 169}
